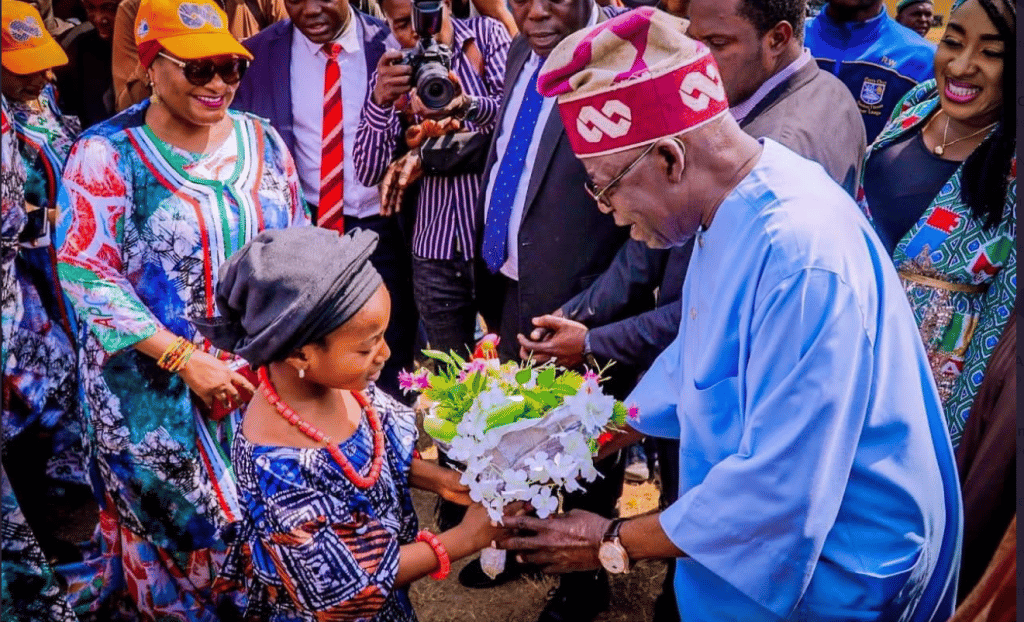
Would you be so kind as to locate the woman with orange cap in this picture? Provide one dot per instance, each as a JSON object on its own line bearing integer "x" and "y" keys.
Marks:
{"x": 40, "y": 368}
{"x": 154, "y": 201}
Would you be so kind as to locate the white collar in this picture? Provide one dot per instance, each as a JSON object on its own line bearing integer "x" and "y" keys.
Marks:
{"x": 348, "y": 38}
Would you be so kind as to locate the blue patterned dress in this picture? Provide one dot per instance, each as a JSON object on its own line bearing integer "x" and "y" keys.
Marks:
{"x": 315, "y": 547}
{"x": 29, "y": 589}
{"x": 41, "y": 366}
{"x": 144, "y": 228}
{"x": 948, "y": 243}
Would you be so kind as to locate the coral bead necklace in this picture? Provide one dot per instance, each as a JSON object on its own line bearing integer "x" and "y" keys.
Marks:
{"x": 317, "y": 435}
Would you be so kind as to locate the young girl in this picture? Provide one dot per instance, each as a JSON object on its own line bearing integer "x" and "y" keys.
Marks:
{"x": 324, "y": 460}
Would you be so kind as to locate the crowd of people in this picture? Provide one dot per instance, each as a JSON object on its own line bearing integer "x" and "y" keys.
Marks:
{"x": 227, "y": 226}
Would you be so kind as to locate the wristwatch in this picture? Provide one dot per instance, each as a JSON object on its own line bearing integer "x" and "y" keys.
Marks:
{"x": 472, "y": 109}
{"x": 611, "y": 553}
{"x": 588, "y": 353}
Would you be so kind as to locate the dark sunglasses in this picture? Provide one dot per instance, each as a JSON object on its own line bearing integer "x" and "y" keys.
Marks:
{"x": 199, "y": 72}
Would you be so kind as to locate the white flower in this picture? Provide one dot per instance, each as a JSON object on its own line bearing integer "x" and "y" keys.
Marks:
{"x": 591, "y": 407}
{"x": 538, "y": 467}
{"x": 562, "y": 468}
{"x": 462, "y": 448}
{"x": 515, "y": 480}
{"x": 544, "y": 502}
{"x": 483, "y": 491}
{"x": 588, "y": 471}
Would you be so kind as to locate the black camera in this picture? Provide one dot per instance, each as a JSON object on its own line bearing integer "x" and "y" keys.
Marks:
{"x": 430, "y": 60}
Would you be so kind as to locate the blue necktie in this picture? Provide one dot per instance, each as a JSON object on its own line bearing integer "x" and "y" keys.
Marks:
{"x": 510, "y": 171}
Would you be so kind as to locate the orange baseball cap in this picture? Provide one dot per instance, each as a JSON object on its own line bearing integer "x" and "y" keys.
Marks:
{"x": 186, "y": 28}
{"x": 24, "y": 42}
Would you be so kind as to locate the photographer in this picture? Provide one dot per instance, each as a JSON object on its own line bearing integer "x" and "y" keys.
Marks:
{"x": 443, "y": 235}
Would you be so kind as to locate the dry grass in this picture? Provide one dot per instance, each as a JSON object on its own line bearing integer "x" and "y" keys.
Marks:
{"x": 521, "y": 600}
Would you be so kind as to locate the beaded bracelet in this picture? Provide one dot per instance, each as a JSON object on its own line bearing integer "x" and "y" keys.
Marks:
{"x": 176, "y": 355}
{"x": 444, "y": 562}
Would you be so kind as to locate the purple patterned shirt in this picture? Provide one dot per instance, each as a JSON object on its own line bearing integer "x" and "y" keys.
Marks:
{"x": 444, "y": 218}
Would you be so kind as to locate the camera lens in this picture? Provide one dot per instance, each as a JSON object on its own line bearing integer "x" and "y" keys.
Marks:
{"x": 433, "y": 86}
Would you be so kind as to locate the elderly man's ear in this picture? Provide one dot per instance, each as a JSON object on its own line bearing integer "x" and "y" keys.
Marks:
{"x": 671, "y": 157}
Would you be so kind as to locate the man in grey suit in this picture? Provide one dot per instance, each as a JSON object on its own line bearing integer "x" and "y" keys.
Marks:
{"x": 781, "y": 94}
{"x": 542, "y": 238}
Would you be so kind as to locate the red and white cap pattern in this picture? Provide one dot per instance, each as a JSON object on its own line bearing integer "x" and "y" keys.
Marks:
{"x": 632, "y": 80}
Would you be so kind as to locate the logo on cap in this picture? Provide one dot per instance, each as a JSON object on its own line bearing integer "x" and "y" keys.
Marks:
{"x": 699, "y": 88}
{"x": 143, "y": 29}
{"x": 613, "y": 120}
{"x": 196, "y": 16}
{"x": 24, "y": 29}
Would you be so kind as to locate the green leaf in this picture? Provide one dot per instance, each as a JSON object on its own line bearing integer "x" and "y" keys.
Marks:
{"x": 524, "y": 375}
{"x": 546, "y": 377}
{"x": 461, "y": 362}
{"x": 440, "y": 356}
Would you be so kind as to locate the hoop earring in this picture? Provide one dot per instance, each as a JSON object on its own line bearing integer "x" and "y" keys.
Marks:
{"x": 302, "y": 373}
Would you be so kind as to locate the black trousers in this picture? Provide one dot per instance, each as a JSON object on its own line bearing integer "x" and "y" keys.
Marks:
{"x": 393, "y": 260}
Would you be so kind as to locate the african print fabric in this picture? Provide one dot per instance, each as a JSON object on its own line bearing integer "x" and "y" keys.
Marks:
{"x": 144, "y": 229}
{"x": 12, "y": 221}
{"x": 313, "y": 546}
{"x": 29, "y": 590}
{"x": 41, "y": 367}
{"x": 960, "y": 328}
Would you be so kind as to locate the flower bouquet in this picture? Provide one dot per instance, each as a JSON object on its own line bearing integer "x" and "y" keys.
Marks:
{"x": 524, "y": 431}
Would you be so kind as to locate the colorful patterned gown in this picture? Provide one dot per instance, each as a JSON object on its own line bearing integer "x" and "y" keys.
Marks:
{"x": 144, "y": 229}
{"x": 41, "y": 368}
{"x": 960, "y": 328}
{"x": 29, "y": 590}
{"x": 313, "y": 546}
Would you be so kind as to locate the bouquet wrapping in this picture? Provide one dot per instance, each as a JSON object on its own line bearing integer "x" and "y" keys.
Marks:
{"x": 523, "y": 431}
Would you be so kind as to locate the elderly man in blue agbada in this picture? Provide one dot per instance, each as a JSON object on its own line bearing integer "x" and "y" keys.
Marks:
{"x": 816, "y": 479}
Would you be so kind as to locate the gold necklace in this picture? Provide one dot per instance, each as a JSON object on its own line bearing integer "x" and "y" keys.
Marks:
{"x": 940, "y": 149}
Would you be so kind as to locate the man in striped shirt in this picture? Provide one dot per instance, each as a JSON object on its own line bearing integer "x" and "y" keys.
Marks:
{"x": 443, "y": 234}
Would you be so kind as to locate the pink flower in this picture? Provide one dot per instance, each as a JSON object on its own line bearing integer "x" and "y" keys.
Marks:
{"x": 421, "y": 380}
{"x": 634, "y": 413}
{"x": 405, "y": 381}
{"x": 418, "y": 381}
{"x": 591, "y": 375}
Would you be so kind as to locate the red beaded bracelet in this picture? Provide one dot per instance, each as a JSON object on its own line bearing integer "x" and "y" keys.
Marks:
{"x": 444, "y": 563}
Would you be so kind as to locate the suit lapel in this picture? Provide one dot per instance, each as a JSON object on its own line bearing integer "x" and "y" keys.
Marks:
{"x": 549, "y": 139}
{"x": 281, "y": 48}
{"x": 517, "y": 56}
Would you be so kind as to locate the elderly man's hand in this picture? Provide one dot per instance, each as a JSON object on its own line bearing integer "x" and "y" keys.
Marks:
{"x": 555, "y": 337}
{"x": 563, "y": 543}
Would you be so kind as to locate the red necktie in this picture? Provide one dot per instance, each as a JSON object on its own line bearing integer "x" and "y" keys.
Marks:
{"x": 332, "y": 154}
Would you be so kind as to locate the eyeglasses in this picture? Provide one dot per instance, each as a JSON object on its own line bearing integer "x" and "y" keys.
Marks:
{"x": 600, "y": 195}
{"x": 199, "y": 72}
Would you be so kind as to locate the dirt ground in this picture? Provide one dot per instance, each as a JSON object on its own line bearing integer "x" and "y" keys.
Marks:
{"x": 632, "y": 597}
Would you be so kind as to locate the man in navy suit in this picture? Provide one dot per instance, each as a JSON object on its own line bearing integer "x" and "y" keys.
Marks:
{"x": 542, "y": 238}
{"x": 285, "y": 84}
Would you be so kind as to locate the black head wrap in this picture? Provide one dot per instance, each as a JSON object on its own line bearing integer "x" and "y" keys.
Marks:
{"x": 289, "y": 287}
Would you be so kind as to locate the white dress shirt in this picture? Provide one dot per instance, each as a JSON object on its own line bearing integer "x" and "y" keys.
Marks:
{"x": 515, "y": 101}
{"x": 309, "y": 63}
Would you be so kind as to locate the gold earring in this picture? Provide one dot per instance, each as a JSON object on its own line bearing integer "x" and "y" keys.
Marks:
{"x": 154, "y": 98}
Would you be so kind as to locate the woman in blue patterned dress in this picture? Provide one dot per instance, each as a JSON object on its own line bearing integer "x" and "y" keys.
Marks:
{"x": 29, "y": 589}
{"x": 325, "y": 459}
{"x": 40, "y": 369}
{"x": 940, "y": 188}
{"x": 154, "y": 201}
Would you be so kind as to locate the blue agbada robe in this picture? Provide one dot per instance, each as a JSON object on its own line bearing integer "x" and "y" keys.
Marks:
{"x": 816, "y": 478}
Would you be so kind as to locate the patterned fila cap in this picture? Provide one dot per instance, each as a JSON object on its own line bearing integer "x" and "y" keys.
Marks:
{"x": 186, "y": 28}
{"x": 631, "y": 80}
{"x": 26, "y": 46}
